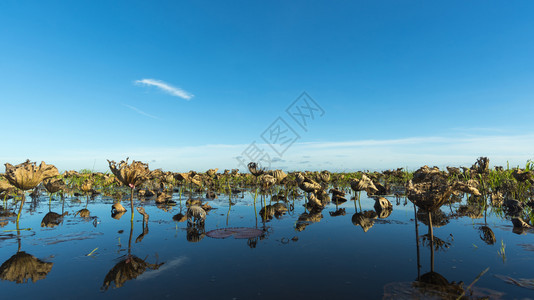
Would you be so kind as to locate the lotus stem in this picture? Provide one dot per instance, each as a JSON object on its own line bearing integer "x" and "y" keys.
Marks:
{"x": 417, "y": 242}
{"x": 132, "y": 205}
{"x": 20, "y": 209}
{"x": 431, "y": 232}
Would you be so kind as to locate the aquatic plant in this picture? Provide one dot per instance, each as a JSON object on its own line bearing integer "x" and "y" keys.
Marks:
{"x": 27, "y": 175}
{"x": 131, "y": 175}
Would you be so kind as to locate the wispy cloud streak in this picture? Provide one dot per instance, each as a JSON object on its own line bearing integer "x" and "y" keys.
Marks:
{"x": 174, "y": 91}
{"x": 137, "y": 110}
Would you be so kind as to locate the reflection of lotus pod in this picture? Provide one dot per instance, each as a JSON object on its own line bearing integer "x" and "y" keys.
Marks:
{"x": 127, "y": 269}
{"x": 130, "y": 174}
{"x": 27, "y": 175}
{"x": 195, "y": 234}
{"x": 487, "y": 235}
{"x": 22, "y": 266}
{"x": 433, "y": 285}
{"x": 54, "y": 185}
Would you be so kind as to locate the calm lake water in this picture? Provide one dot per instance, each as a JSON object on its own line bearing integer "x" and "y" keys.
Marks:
{"x": 319, "y": 257}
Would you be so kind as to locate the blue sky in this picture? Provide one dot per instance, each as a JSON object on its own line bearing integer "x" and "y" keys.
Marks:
{"x": 190, "y": 84}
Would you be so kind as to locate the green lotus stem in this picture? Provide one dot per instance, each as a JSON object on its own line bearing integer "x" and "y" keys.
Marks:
{"x": 131, "y": 203}
{"x": 20, "y": 209}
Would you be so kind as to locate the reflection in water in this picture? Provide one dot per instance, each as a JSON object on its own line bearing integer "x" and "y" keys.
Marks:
{"x": 52, "y": 219}
{"x": 23, "y": 266}
{"x": 364, "y": 219}
{"x": 129, "y": 267}
{"x": 195, "y": 232}
{"x": 305, "y": 219}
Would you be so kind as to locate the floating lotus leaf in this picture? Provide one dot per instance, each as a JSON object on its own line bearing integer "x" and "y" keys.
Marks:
{"x": 127, "y": 269}
{"x": 23, "y": 266}
{"x": 27, "y": 175}
{"x": 54, "y": 185}
{"x": 237, "y": 233}
{"x": 133, "y": 174}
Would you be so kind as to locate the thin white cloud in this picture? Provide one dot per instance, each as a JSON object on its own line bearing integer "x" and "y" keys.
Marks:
{"x": 137, "y": 110}
{"x": 174, "y": 91}
{"x": 411, "y": 152}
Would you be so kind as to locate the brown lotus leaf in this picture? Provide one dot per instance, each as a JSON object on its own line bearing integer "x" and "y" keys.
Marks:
{"x": 267, "y": 180}
{"x": 117, "y": 207}
{"x": 324, "y": 176}
{"x": 127, "y": 269}
{"x": 212, "y": 172}
{"x": 27, "y": 175}
{"x": 279, "y": 175}
{"x": 255, "y": 169}
{"x": 87, "y": 186}
{"x": 428, "y": 195}
{"x": 470, "y": 187}
{"x": 523, "y": 176}
{"x": 22, "y": 266}
{"x": 5, "y": 186}
{"x": 54, "y": 185}
{"x": 426, "y": 174}
{"x": 363, "y": 184}
{"x": 133, "y": 174}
